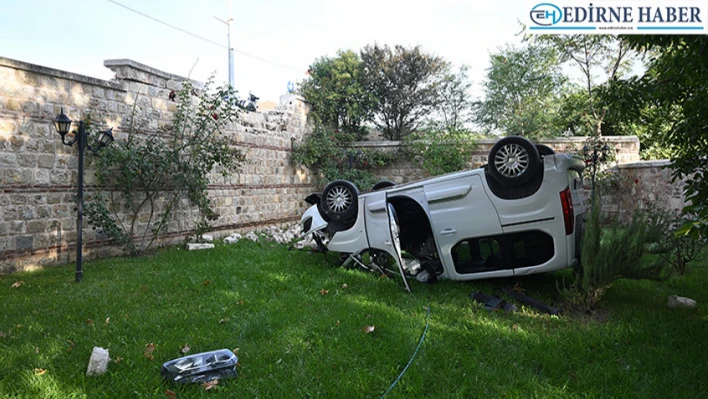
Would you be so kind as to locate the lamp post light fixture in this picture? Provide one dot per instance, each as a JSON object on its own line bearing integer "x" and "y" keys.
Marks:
{"x": 595, "y": 155}
{"x": 63, "y": 124}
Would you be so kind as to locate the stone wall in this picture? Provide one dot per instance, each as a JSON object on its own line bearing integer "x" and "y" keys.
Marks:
{"x": 642, "y": 185}
{"x": 626, "y": 151}
{"x": 38, "y": 175}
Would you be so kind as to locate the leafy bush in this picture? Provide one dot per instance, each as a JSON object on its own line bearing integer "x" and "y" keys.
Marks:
{"x": 149, "y": 173}
{"x": 440, "y": 151}
{"x": 632, "y": 251}
{"x": 330, "y": 155}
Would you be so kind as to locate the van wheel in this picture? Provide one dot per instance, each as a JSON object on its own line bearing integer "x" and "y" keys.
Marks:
{"x": 340, "y": 200}
{"x": 514, "y": 160}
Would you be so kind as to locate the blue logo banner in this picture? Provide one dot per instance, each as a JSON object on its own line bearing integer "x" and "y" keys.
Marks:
{"x": 618, "y": 17}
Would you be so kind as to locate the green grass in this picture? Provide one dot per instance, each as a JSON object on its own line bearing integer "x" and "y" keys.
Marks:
{"x": 296, "y": 342}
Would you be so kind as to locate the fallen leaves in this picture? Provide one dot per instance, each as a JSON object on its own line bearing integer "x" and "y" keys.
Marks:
{"x": 40, "y": 371}
{"x": 17, "y": 284}
{"x": 89, "y": 322}
{"x": 210, "y": 384}
{"x": 170, "y": 394}
{"x": 185, "y": 348}
{"x": 2, "y": 334}
{"x": 324, "y": 292}
{"x": 344, "y": 285}
{"x": 572, "y": 374}
{"x": 207, "y": 282}
{"x": 235, "y": 351}
{"x": 118, "y": 359}
{"x": 108, "y": 320}
{"x": 149, "y": 349}
{"x": 368, "y": 329}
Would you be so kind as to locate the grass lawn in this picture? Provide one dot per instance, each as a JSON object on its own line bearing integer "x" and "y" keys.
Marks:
{"x": 299, "y": 332}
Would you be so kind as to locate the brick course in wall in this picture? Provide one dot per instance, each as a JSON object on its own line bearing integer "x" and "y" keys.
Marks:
{"x": 38, "y": 174}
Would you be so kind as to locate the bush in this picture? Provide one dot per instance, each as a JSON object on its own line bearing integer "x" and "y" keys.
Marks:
{"x": 632, "y": 251}
{"x": 440, "y": 151}
{"x": 144, "y": 177}
{"x": 330, "y": 155}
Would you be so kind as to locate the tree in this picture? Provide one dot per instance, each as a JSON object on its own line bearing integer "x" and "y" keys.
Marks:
{"x": 453, "y": 104}
{"x": 593, "y": 55}
{"x": 334, "y": 89}
{"x": 675, "y": 81}
{"x": 522, "y": 91}
{"x": 404, "y": 82}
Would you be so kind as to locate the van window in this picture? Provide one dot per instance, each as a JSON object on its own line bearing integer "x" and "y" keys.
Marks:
{"x": 507, "y": 251}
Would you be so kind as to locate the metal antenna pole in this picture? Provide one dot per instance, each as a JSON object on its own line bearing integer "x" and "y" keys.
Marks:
{"x": 231, "y": 50}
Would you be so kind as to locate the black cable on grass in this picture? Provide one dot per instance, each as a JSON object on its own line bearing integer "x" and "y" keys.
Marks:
{"x": 422, "y": 337}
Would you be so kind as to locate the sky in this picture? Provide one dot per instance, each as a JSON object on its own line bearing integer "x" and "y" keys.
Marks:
{"x": 78, "y": 35}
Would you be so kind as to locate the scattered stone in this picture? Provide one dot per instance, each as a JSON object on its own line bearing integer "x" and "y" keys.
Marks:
{"x": 207, "y": 238}
{"x": 681, "y": 302}
{"x": 98, "y": 363}
{"x": 232, "y": 239}
{"x": 252, "y": 236}
{"x": 195, "y": 246}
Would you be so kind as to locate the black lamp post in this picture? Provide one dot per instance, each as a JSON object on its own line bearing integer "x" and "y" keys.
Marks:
{"x": 63, "y": 124}
{"x": 597, "y": 156}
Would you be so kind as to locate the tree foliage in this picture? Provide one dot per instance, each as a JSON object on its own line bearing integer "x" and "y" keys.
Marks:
{"x": 440, "y": 151}
{"x": 146, "y": 175}
{"x": 675, "y": 84}
{"x": 335, "y": 91}
{"x": 601, "y": 60}
{"x": 331, "y": 156}
{"x": 522, "y": 92}
{"x": 404, "y": 82}
{"x": 453, "y": 104}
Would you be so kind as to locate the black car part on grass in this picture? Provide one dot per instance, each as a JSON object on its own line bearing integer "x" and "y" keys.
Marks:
{"x": 492, "y": 303}
{"x": 534, "y": 303}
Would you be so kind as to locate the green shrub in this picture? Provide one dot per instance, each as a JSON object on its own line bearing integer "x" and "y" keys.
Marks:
{"x": 330, "y": 155}
{"x": 440, "y": 151}
{"x": 632, "y": 251}
{"x": 149, "y": 172}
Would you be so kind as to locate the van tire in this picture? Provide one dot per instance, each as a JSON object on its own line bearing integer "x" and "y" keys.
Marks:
{"x": 513, "y": 161}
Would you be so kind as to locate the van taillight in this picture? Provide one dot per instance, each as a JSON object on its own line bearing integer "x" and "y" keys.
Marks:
{"x": 568, "y": 214}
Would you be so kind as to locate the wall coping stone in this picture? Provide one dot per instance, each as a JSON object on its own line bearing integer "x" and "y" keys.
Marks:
{"x": 644, "y": 164}
{"x": 26, "y": 66}
{"x": 115, "y": 65}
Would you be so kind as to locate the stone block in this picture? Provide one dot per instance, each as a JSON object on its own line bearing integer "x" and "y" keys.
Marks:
{"x": 17, "y": 176}
{"x": 98, "y": 362}
{"x": 41, "y": 176}
{"x": 681, "y": 302}
{"x": 28, "y": 160}
{"x": 36, "y": 226}
{"x": 197, "y": 246}
{"x": 13, "y": 104}
{"x": 24, "y": 242}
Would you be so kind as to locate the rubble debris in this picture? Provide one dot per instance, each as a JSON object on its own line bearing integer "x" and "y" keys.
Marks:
{"x": 676, "y": 301}
{"x": 196, "y": 246}
{"x": 98, "y": 363}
